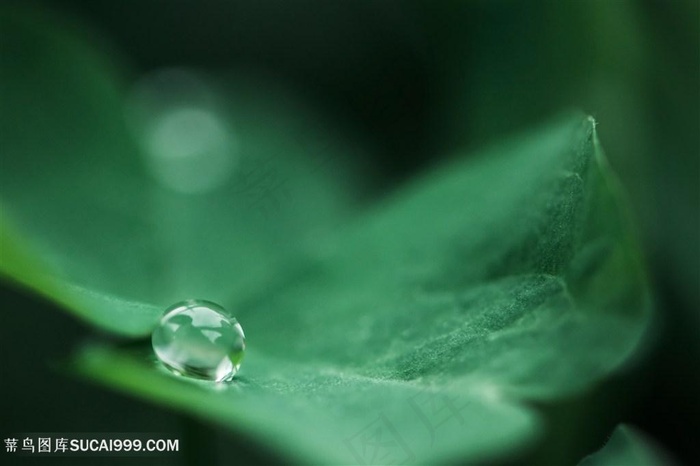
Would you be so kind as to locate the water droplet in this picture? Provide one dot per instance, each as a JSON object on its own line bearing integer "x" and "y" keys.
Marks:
{"x": 198, "y": 339}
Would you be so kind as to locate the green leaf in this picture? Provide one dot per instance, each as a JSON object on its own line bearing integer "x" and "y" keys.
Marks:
{"x": 89, "y": 216}
{"x": 326, "y": 414}
{"x": 420, "y": 333}
{"x": 627, "y": 446}
{"x": 417, "y": 334}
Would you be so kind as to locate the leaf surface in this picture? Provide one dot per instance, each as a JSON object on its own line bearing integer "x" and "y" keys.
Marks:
{"x": 416, "y": 333}
{"x": 627, "y": 446}
{"x": 420, "y": 333}
{"x": 120, "y": 198}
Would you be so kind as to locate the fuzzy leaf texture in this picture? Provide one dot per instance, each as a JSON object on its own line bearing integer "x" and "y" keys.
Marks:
{"x": 417, "y": 332}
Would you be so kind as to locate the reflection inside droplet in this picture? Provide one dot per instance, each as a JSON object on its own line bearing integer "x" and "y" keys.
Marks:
{"x": 197, "y": 339}
{"x": 188, "y": 146}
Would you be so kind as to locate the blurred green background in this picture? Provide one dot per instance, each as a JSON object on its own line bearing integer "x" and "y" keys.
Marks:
{"x": 419, "y": 81}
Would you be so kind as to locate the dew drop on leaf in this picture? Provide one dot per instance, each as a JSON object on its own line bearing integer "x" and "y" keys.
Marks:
{"x": 198, "y": 339}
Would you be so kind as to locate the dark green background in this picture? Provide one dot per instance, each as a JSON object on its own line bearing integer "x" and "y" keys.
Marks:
{"x": 420, "y": 80}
